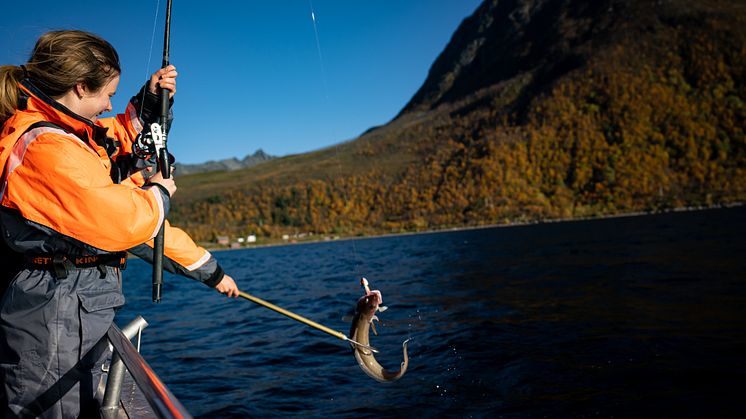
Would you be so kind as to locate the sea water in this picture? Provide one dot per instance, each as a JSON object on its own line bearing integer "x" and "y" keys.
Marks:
{"x": 628, "y": 316}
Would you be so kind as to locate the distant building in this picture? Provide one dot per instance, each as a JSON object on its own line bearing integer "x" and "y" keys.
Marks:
{"x": 251, "y": 238}
{"x": 285, "y": 237}
{"x": 223, "y": 240}
{"x": 235, "y": 245}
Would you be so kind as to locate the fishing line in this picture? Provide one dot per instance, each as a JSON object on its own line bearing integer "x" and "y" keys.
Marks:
{"x": 356, "y": 260}
{"x": 150, "y": 55}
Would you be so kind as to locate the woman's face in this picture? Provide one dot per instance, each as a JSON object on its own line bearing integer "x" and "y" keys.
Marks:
{"x": 92, "y": 104}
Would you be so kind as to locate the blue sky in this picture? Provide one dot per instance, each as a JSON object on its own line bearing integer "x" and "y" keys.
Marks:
{"x": 253, "y": 74}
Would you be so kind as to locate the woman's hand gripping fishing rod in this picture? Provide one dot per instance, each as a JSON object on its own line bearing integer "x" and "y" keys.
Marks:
{"x": 164, "y": 78}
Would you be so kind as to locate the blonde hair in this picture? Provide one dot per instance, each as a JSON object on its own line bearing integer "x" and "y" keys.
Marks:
{"x": 59, "y": 61}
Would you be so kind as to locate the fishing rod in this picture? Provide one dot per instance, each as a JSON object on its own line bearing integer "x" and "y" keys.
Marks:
{"x": 160, "y": 132}
{"x": 336, "y": 334}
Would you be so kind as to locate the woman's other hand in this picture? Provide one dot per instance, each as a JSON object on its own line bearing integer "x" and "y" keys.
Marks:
{"x": 227, "y": 286}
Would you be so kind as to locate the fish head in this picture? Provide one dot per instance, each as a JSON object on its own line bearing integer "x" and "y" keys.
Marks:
{"x": 368, "y": 303}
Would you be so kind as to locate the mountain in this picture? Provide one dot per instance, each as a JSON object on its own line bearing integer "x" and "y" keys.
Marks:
{"x": 507, "y": 39}
{"x": 250, "y": 160}
{"x": 535, "y": 110}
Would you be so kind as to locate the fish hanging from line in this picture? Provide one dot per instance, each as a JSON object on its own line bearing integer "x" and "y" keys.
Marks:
{"x": 362, "y": 322}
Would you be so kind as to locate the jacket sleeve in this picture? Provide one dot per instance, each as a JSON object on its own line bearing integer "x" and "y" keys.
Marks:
{"x": 58, "y": 181}
{"x": 184, "y": 257}
{"x": 181, "y": 255}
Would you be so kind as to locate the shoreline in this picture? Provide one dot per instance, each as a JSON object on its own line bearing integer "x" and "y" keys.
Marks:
{"x": 479, "y": 227}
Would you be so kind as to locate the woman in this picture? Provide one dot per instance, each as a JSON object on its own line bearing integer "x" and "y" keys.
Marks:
{"x": 67, "y": 216}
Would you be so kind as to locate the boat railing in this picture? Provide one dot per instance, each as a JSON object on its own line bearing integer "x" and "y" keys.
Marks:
{"x": 126, "y": 357}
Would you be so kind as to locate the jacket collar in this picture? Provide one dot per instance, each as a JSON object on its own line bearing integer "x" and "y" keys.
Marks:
{"x": 59, "y": 114}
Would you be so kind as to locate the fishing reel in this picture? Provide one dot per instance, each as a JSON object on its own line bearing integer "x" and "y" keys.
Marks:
{"x": 149, "y": 142}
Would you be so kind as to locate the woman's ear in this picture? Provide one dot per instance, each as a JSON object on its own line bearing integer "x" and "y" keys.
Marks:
{"x": 81, "y": 90}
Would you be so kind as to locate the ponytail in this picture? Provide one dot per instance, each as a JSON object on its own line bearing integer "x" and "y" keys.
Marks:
{"x": 10, "y": 75}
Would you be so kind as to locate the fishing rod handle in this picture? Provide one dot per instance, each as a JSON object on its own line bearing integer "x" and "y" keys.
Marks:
{"x": 158, "y": 265}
